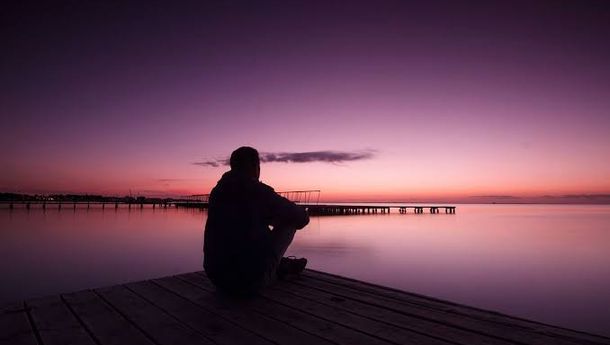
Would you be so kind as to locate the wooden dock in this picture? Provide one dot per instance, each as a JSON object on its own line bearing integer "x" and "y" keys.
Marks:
{"x": 85, "y": 204}
{"x": 346, "y": 209}
{"x": 316, "y": 308}
{"x": 341, "y": 209}
{"x": 309, "y": 199}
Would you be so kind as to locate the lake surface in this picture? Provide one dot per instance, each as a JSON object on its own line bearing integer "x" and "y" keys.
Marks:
{"x": 550, "y": 263}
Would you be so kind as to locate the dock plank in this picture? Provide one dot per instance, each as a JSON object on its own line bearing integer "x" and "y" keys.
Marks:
{"x": 315, "y": 308}
{"x": 241, "y": 312}
{"x": 160, "y": 326}
{"x": 299, "y": 318}
{"x": 56, "y": 324}
{"x": 197, "y": 318}
{"x": 403, "y": 327}
{"x": 106, "y": 325}
{"x": 409, "y": 322}
{"x": 488, "y": 323}
{"x": 15, "y": 327}
{"x": 448, "y": 306}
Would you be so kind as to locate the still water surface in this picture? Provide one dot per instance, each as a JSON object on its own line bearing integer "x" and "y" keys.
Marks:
{"x": 550, "y": 263}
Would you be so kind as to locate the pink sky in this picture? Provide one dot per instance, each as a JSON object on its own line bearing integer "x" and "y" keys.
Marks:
{"x": 452, "y": 101}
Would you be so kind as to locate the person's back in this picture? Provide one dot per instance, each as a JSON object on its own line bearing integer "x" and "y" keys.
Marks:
{"x": 241, "y": 254}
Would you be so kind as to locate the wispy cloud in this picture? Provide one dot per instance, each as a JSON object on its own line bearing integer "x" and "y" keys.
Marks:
{"x": 328, "y": 156}
{"x": 212, "y": 163}
{"x": 317, "y": 156}
{"x": 495, "y": 196}
{"x": 587, "y": 196}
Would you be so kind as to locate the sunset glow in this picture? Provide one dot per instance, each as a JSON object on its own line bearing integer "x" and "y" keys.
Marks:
{"x": 453, "y": 102}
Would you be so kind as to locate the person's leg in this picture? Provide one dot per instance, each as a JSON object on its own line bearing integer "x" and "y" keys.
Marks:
{"x": 281, "y": 237}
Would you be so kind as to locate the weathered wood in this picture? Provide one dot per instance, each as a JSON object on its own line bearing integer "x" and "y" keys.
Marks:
{"x": 451, "y": 314}
{"x": 197, "y": 318}
{"x": 301, "y": 319}
{"x": 315, "y": 308}
{"x": 102, "y": 321}
{"x": 462, "y": 310}
{"x": 409, "y": 322}
{"x": 55, "y": 322}
{"x": 15, "y": 328}
{"x": 241, "y": 312}
{"x": 425, "y": 331}
{"x": 161, "y": 327}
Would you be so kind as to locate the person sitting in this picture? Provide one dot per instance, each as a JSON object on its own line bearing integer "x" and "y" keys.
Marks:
{"x": 242, "y": 254}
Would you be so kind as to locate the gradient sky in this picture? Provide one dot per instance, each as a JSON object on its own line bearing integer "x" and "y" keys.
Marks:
{"x": 447, "y": 99}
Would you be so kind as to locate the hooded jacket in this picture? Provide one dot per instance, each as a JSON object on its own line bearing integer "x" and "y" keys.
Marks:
{"x": 237, "y": 248}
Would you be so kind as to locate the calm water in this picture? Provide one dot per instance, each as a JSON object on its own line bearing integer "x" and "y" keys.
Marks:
{"x": 544, "y": 262}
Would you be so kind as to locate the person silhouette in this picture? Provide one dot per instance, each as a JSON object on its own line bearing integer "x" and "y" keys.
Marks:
{"x": 242, "y": 254}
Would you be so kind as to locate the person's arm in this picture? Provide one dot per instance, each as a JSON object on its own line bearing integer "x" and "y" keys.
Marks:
{"x": 285, "y": 212}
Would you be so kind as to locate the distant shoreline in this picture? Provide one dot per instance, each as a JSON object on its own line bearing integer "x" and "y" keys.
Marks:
{"x": 584, "y": 199}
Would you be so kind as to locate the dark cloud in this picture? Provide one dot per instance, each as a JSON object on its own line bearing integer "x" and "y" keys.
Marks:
{"x": 214, "y": 163}
{"x": 328, "y": 156}
{"x": 495, "y": 196}
{"x": 316, "y": 156}
{"x": 587, "y": 196}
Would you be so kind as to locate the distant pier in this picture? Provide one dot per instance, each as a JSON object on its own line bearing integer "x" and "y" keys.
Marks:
{"x": 84, "y": 204}
{"x": 341, "y": 209}
{"x": 309, "y": 199}
{"x": 345, "y": 209}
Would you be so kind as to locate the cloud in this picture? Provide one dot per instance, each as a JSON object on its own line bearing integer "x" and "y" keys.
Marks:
{"x": 316, "y": 156}
{"x": 215, "y": 163}
{"x": 495, "y": 196}
{"x": 587, "y": 196}
{"x": 328, "y": 156}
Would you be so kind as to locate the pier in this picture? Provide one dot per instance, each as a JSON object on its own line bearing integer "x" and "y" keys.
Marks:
{"x": 347, "y": 209}
{"x": 313, "y": 209}
{"x": 341, "y": 209}
{"x": 309, "y": 199}
{"x": 315, "y": 308}
{"x": 85, "y": 204}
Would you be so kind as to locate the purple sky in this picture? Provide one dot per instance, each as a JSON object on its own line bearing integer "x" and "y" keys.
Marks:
{"x": 448, "y": 99}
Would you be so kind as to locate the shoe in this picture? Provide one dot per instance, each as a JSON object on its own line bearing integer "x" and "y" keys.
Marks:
{"x": 290, "y": 266}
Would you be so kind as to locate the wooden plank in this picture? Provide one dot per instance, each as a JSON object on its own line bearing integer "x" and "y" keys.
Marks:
{"x": 486, "y": 316}
{"x": 241, "y": 312}
{"x": 161, "y": 327}
{"x": 300, "y": 319}
{"x": 424, "y": 301}
{"x": 197, "y": 318}
{"x": 381, "y": 330}
{"x": 55, "y": 322}
{"x": 105, "y": 324}
{"x": 460, "y": 309}
{"x": 15, "y": 328}
{"x": 399, "y": 327}
{"x": 407, "y": 297}
{"x": 15, "y": 325}
{"x": 505, "y": 329}
{"x": 407, "y": 322}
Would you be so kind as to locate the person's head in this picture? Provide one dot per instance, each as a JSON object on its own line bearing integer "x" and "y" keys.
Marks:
{"x": 245, "y": 160}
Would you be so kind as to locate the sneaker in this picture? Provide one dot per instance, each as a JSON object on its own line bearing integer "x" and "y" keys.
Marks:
{"x": 290, "y": 266}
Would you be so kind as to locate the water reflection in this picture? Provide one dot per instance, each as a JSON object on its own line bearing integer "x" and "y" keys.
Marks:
{"x": 549, "y": 263}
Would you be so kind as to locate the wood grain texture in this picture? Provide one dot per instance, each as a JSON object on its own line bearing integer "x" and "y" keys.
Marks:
{"x": 315, "y": 308}
{"x": 15, "y": 328}
{"x": 56, "y": 324}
